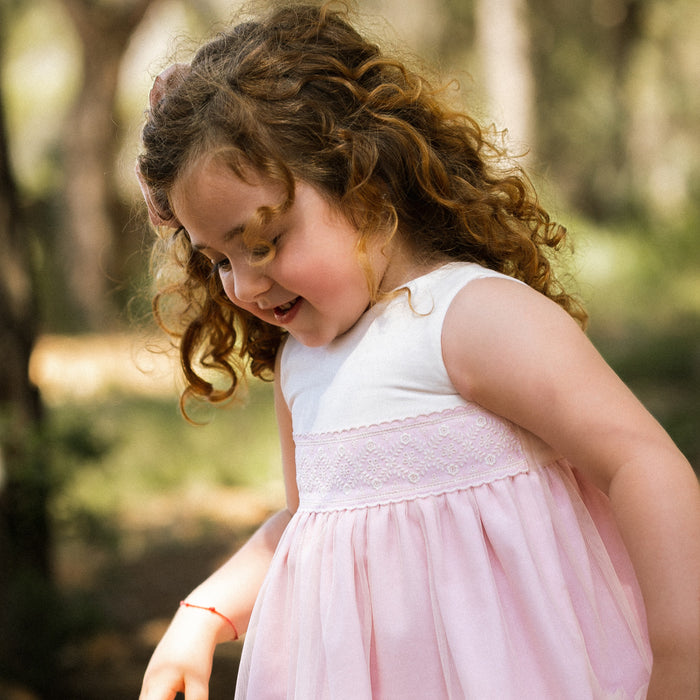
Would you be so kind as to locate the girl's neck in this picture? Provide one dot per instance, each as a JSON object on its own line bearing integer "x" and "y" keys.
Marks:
{"x": 405, "y": 265}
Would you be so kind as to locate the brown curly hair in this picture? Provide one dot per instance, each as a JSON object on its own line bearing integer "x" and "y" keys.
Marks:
{"x": 299, "y": 94}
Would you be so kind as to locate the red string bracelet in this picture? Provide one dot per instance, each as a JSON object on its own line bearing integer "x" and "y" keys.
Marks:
{"x": 185, "y": 604}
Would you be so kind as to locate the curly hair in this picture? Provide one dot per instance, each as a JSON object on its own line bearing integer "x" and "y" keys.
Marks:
{"x": 299, "y": 94}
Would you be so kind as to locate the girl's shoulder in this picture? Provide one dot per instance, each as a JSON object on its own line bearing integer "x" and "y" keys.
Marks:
{"x": 497, "y": 325}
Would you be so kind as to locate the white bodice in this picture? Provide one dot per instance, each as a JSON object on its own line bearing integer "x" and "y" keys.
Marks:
{"x": 388, "y": 366}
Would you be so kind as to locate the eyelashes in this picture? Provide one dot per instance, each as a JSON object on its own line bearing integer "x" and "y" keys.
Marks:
{"x": 219, "y": 266}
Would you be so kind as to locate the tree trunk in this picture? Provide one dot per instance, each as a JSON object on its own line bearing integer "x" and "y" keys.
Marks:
{"x": 93, "y": 223}
{"x": 503, "y": 40}
{"x": 25, "y": 576}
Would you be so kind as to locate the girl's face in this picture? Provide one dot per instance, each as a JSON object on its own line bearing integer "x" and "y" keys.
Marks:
{"x": 314, "y": 286}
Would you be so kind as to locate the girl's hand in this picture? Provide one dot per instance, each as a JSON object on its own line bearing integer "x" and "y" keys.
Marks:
{"x": 182, "y": 661}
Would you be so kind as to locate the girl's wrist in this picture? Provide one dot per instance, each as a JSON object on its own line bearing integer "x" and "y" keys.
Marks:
{"x": 212, "y": 610}
{"x": 204, "y": 624}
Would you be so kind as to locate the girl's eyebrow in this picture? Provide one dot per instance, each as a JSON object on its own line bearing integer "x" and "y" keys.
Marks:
{"x": 235, "y": 231}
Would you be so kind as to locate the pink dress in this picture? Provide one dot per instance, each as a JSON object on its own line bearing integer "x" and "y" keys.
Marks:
{"x": 439, "y": 551}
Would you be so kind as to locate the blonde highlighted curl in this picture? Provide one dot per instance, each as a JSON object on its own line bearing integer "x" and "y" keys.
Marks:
{"x": 299, "y": 95}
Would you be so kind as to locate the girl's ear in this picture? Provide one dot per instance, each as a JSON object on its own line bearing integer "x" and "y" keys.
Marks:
{"x": 157, "y": 216}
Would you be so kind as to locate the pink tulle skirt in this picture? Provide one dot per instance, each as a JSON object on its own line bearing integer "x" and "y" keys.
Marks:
{"x": 502, "y": 584}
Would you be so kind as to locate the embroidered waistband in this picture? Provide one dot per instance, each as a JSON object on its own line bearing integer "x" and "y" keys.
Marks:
{"x": 404, "y": 459}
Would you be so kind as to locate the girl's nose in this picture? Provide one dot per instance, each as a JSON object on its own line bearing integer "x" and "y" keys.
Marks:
{"x": 247, "y": 283}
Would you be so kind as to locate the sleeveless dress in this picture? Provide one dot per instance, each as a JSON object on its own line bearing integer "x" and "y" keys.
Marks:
{"x": 439, "y": 551}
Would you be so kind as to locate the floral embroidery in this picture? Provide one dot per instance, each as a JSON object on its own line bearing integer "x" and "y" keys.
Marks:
{"x": 410, "y": 458}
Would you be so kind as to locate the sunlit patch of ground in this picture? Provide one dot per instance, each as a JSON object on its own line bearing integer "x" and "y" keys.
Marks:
{"x": 85, "y": 367}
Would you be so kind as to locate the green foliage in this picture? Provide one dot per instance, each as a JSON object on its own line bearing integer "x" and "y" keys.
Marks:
{"x": 663, "y": 369}
{"x": 153, "y": 452}
{"x": 39, "y": 620}
{"x": 642, "y": 285}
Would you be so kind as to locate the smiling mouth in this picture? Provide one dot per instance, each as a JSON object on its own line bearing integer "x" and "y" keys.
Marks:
{"x": 284, "y": 311}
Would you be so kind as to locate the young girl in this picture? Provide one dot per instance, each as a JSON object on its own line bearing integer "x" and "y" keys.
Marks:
{"x": 476, "y": 506}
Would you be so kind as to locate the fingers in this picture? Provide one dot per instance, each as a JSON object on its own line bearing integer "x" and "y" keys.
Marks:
{"x": 196, "y": 690}
{"x": 166, "y": 683}
{"x": 158, "y": 689}
{"x": 182, "y": 661}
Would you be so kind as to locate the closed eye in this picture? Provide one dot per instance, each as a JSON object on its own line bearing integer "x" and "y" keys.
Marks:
{"x": 264, "y": 251}
{"x": 259, "y": 252}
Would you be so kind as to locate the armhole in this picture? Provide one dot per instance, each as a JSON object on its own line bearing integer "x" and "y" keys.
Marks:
{"x": 452, "y": 288}
{"x": 482, "y": 274}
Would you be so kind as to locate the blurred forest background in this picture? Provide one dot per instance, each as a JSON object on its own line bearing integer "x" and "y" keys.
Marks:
{"x": 111, "y": 506}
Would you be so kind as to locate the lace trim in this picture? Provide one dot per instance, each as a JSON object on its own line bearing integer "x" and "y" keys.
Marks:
{"x": 404, "y": 459}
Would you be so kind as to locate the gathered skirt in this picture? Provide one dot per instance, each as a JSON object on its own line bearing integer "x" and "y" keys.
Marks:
{"x": 478, "y": 583}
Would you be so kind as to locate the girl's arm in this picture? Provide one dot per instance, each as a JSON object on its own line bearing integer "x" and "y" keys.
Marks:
{"x": 520, "y": 355}
{"x": 182, "y": 660}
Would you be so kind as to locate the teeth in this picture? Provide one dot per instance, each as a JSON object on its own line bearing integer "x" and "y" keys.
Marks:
{"x": 283, "y": 308}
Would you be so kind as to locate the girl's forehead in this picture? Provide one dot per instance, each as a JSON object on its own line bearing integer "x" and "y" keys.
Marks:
{"x": 211, "y": 176}
{"x": 215, "y": 166}
{"x": 208, "y": 198}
